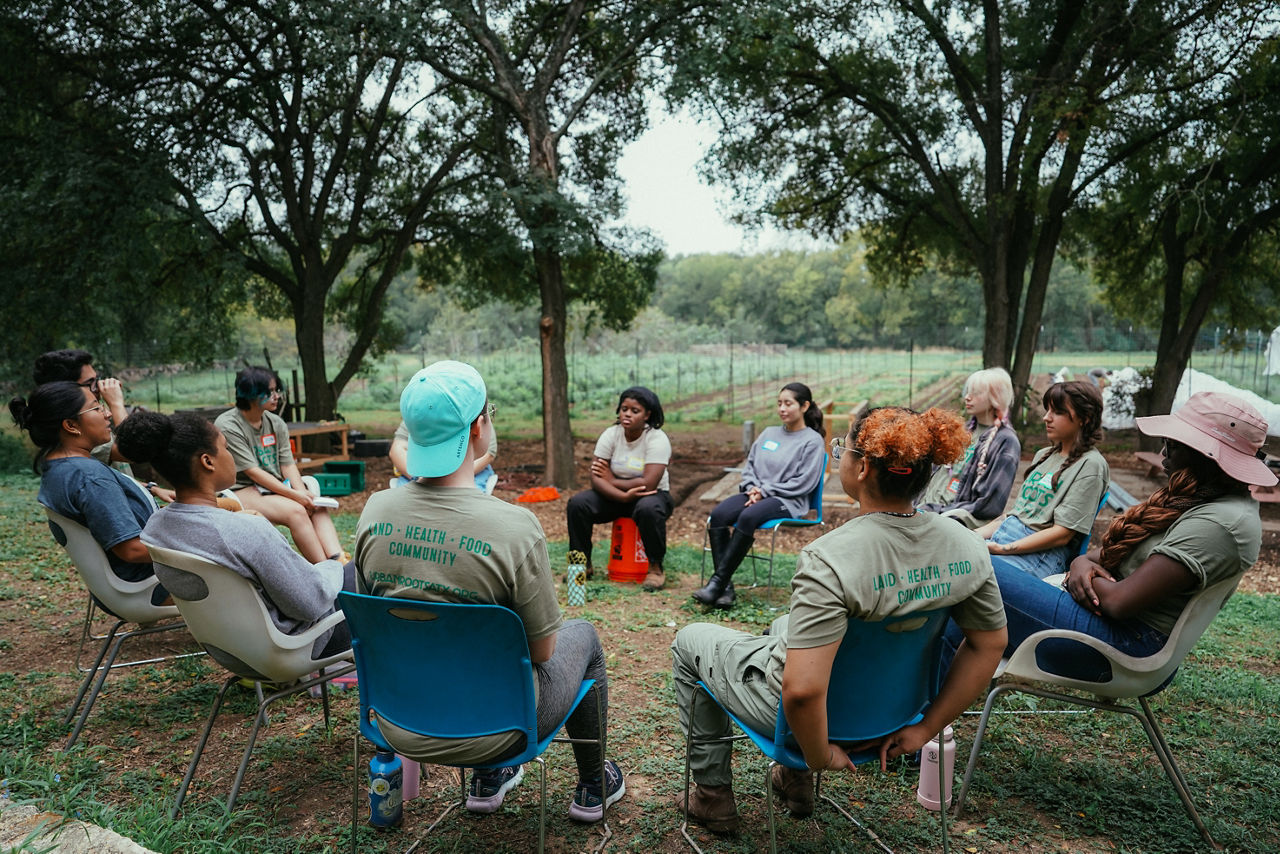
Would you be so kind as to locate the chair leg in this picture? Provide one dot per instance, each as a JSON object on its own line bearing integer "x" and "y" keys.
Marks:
{"x": 604, "y": 811}
{"x": 958, "y": 805}
{"x": 92, "y": 673}
{"x": 871, "y": 834}
{"x": 688, "y": 753}
{"x": 355, "y": 786}
{"x": 1161, "y": 747}
{"x": 199, "y": 751}
{"x": 706, "y": 547}
{"x": 768, "y": 806}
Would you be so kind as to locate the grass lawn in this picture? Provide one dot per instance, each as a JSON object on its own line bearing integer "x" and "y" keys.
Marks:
{"x": 1083, "y": 782}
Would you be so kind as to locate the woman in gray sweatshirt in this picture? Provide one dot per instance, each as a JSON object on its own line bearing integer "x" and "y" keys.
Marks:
{"x": 782, "y": 470}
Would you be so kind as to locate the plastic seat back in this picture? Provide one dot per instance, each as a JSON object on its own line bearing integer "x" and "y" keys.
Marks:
{"x": 233, "y": 625}
{"x": 815, "y": 503}
{"x": 443, "y": 670}
{"x": 1084, "y": 544}
{"x": 884, "y": 674}
{"x": 127, "y": 600}
{"x": 1130, "y": 677}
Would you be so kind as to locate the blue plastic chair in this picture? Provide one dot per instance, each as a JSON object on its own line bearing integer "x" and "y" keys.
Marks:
{"x": 1084, "y": 545}
{"x": 474, "y": 678}
{"x": 815, "y": 503}
{"x": 864, "y": 701}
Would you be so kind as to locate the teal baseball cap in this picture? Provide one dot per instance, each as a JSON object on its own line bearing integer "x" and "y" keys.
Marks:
{"x": 438, "y": 406}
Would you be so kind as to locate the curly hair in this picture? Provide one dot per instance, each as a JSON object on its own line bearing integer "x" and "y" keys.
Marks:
{"x": 903, "y": 446}
{"x": 1200, "y": 483}
{"x": 168, "y": 442}
{"x": 1084, "y": 401}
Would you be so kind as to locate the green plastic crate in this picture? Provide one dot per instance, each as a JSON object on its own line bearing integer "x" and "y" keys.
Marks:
{"x": 333, "y": 483}
{"x": 352, "y": 468}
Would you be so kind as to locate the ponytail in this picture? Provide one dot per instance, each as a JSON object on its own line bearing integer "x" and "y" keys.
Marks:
{"x": 42, "y": 414}
{"x": 170, "y": 443}
{"x": 812, "y": 414}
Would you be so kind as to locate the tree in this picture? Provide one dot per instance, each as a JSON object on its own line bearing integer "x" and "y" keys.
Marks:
{"x": 90, "y": 257}
{"x": 1191, "y": 230}
{"x": 300, "y": 137}
{"x": 958, "y": 133}
{"x": 573, "y": 76}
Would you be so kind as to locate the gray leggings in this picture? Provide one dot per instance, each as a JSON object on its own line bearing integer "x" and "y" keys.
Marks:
{"x": 578, "y": 656}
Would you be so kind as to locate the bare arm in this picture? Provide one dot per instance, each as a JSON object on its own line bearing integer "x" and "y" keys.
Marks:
{"x": 971, "y": 671}
{"x": 805, "y": 678}
{"x": 541, "y": 650}
{"x": 132, "y": 551}
{"x": 1050, "y": 538}
{"x": 399, "y": 455}
{"x": 1094, "y": 588}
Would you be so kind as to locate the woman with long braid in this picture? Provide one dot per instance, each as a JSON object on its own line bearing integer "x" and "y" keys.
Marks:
{"x": 975, "y": 489}
{"x": 1200, "y": 529}
{"x": 1061, "y": 490}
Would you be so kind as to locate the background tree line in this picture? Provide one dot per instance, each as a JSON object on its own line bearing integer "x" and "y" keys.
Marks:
{"x": 172, "y": 163}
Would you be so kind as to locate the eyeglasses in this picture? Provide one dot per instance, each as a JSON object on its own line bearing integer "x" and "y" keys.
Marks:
{"x": 838, "y": 447}
{"x": 101, "y": 406}
{"x": 272, "y": 392}
{"x": 91, "y": 384}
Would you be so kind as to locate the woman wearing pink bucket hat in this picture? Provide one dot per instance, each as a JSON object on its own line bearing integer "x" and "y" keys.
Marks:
{"x": 1200, "y": 528}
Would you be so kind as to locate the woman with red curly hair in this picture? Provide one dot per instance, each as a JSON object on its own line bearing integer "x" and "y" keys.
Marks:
{"x": 1199, "y": 529}
{"x": 859, "y": 571}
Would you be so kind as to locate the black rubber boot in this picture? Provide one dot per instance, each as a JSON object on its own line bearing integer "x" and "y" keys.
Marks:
{"x": 718, "y": 539}
{"x": 720, "y": 585}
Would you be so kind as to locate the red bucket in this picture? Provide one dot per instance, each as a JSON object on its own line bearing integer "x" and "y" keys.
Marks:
{"x": 627, "y": 560}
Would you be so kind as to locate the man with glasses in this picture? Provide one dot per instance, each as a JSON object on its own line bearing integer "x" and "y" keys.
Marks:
{"x": 76, "y": 366}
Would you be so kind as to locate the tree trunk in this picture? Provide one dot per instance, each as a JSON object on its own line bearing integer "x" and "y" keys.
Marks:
{"x": 321, "y": 401}
{"x": 556, "y": 432}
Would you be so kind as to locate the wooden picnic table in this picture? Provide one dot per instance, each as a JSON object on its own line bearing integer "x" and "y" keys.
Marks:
{"x": 316, "y": 428}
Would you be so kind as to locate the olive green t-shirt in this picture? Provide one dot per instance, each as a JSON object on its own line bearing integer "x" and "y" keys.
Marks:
{"x": 1214, "y": 541}
{"x": 878, "y": 566}
{"x": 1073, "y": 503}
{"x": 456, "y": 544}
{"x": 266, "y": 447}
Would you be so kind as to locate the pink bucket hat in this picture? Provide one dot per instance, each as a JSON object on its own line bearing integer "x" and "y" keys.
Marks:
{"x": 1224, "y": 428}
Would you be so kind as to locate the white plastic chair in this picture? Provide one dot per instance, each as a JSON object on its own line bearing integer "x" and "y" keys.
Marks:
{"x": 129, "y": 601}
{"x": 232, "y": 623}
{"x": 1131, "y": 678}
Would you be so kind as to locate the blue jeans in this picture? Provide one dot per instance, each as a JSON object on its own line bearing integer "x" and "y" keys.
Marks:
{"x": 1031, "y": 605}
{"x": 1038, "y": 564}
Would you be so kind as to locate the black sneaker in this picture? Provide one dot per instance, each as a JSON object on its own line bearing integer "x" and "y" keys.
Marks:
{"x": 489, "y": 786}
{"x": 586, "y": 805}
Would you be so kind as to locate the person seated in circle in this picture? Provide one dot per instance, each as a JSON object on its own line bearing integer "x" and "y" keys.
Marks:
{"x": 976, "y": 489}
{"x": 67, "y": 422}
{"x": 1200, "y": 528}
{"x": 1060, "y": 491}
{"x": 267, "y": 478}
{"x": 884, "y": 462}
{"x": 629, "y": 478}
{"x": 192, "y": 454}
{"x": 486, "y": 477}
{"x": 782, "y": 470}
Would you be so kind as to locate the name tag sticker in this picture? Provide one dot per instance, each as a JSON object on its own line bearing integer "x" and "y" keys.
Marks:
{"x": 635, "y": 463}
{"x": 268, "y": 440}
{"x": 770, "y": 445}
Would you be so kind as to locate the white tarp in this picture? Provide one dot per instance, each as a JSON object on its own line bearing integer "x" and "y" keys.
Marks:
{"x": 1273, "y": 353}
{"x": 1194, "y": 381}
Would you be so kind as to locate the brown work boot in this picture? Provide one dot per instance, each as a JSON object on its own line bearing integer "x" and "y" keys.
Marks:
{"x": 794, "y": 789}
{"x": 713, "y": 807}
{"x": 656, "y": 579}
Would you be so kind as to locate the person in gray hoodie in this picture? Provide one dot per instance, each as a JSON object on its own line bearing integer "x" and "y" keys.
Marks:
{"x": 191, "y": 453}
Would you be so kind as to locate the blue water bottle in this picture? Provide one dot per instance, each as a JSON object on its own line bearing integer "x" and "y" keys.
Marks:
{"x": 386, "y": 777}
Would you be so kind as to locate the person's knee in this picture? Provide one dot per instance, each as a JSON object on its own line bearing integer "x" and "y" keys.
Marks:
{"x": 579, "y": 506}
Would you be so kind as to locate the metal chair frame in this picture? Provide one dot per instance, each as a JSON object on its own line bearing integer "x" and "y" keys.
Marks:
{"x": 815, "y": 503}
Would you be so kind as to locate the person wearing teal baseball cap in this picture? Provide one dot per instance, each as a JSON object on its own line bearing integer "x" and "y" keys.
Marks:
{"x": 440, "y": 539}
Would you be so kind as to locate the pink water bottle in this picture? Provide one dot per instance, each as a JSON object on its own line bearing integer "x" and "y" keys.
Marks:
{"x": 927, "y": 792}
{"x": 412, "y": 773}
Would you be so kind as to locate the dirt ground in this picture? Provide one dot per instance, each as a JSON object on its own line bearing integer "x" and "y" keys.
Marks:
{"x": 639, "y": 629}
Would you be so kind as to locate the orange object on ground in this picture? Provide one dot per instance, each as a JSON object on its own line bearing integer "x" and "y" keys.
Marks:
{"x": 538, "y": 493}
{"x": 627, "y": 560}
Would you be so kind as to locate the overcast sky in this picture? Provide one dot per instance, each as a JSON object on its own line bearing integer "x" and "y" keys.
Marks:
{"x": 667, "y": 196}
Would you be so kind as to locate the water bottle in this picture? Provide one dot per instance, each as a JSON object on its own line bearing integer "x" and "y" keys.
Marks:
{"x": 577, "y": 581}
{"x": 386, "y": 807}
{"x": 927, "y": 792}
